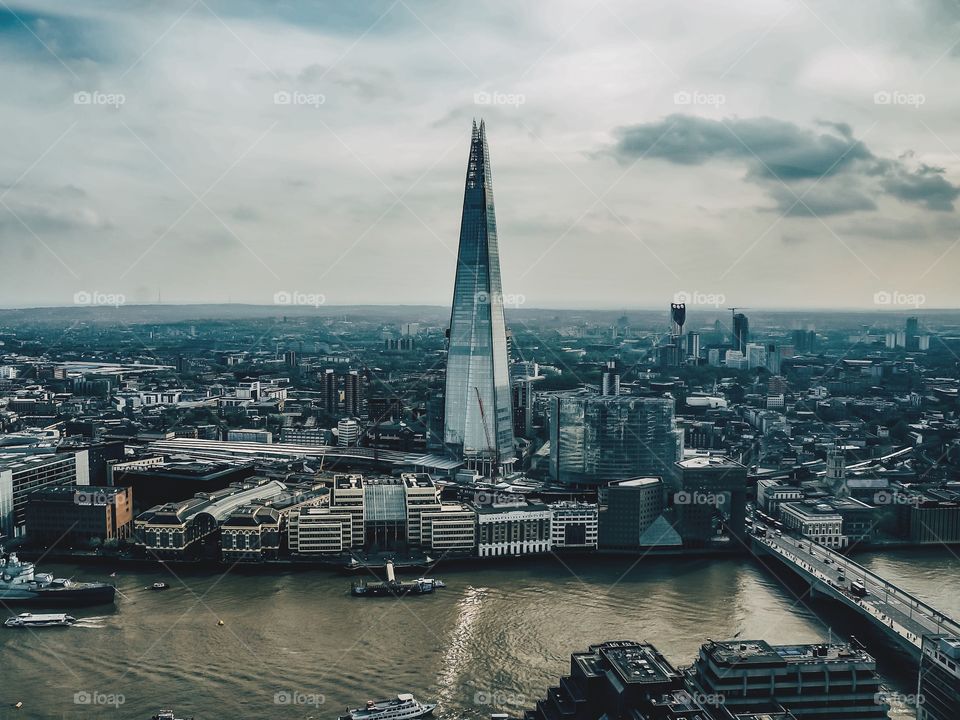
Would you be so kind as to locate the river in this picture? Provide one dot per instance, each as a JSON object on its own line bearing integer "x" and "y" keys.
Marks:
{"x": 296, "y": 645}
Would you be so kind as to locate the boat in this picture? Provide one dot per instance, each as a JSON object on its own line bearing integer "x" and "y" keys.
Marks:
{"x": 29, "y": 620}
{"x": 402, "y": 707}
{"x": 395, "y": 588}
{"x": 166, "y": 715}
{"x": 160, "y": 586}
{"x": 20, "y": 584}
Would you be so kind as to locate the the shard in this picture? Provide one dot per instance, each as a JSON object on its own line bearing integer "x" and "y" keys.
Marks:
{"x": 478, "y": 418}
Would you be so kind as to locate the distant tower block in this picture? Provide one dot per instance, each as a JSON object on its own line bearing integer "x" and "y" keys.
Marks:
{"x": 611, "y": 378}
{"x": 678, "y": 316}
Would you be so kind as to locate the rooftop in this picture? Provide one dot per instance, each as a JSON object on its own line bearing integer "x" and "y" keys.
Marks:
{"x": 708, "y": 461}
{"x": 636, "y": 482}
{"x": 759, "y": 652}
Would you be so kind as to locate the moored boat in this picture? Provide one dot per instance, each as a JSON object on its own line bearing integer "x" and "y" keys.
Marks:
{"x": 20, "y": 584}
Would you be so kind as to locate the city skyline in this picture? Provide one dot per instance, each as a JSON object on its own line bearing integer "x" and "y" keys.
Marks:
{"x": 741, "y": 145}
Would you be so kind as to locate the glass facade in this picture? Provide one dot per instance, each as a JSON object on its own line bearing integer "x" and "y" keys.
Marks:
{"x": 478, "y": 417}
{"x": 598, "y": 438}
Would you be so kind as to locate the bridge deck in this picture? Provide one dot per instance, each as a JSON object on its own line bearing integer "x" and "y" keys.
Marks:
{"x": 902, "y": 613}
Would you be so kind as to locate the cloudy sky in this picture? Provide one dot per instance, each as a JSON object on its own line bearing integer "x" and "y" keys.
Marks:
{"x": 777, "y": 153}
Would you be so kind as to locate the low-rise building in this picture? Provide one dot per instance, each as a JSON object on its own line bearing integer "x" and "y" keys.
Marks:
{"x": 772, "y": 493}
{"x": 175, "y": 531}
{"x": 450, "y": 529}
{"x": 752, "y": 676}
{"x": 254, "y": 532}
{"x": 251, "y": 534}
{"x": 22, "y": 475}
{"x": 817, "y": 521}
{"x": 320, "y": 531}
{"x": 250, "y": 435}
{"x": 71, "y": 516}
{"x": 520, "y": 528}
{"x": 573, "y": 525}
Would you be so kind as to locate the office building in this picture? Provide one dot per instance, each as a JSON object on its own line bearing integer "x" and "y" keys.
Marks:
{"x": 573, "y": 525}
{"x": 630, "y": 516}
{"x": 22, "y": 475}
{"x": 478, "y": 418}
{"x": 512, "y": 529}
{"x": 250, "y": 435}
{"x": 710, "y": 500}
{"x": 826, "y": 682}
{"x": 320, "y": 531}
{"x": 741, "y": 332}
{"x": 348, "y": 432}
{"x": 306, "y": 435}
{"x": 450, "y": 529}
{"x": 939, "y": 685}
{"x": 619, "y": 680}
{"x": 819, "y": 522}
{"x": 599, "y": 438}
{"x": 610, "y": 383}
{"x": 75, "y": 516}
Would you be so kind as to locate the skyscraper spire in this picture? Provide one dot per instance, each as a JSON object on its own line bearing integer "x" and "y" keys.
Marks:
{"x": 478, "y": 417}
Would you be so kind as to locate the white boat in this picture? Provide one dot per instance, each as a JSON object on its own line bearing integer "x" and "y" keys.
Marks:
{"x": 29, "y": 620}
{"x": 403, "y": 707}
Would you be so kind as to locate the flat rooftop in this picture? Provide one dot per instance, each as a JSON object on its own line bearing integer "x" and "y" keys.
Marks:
{"x": 637, "y": 663}
{"x": 636, "y": 482}
{"x": 708, "y": 461}
{"x": 759, "y": 652}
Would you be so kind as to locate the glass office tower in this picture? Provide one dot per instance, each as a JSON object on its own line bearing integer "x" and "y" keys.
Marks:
{"x": 598, "y": 438}
{"x": 478, "y": 417}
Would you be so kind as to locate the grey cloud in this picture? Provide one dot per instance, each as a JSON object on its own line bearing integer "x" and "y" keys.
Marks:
{"x": 778, "y": 153}
{"x": 924, "y": 186}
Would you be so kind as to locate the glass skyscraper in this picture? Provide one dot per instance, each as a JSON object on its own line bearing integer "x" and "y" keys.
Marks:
{"x": 598, "y": 438}
{"x": 478, "y": 417}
